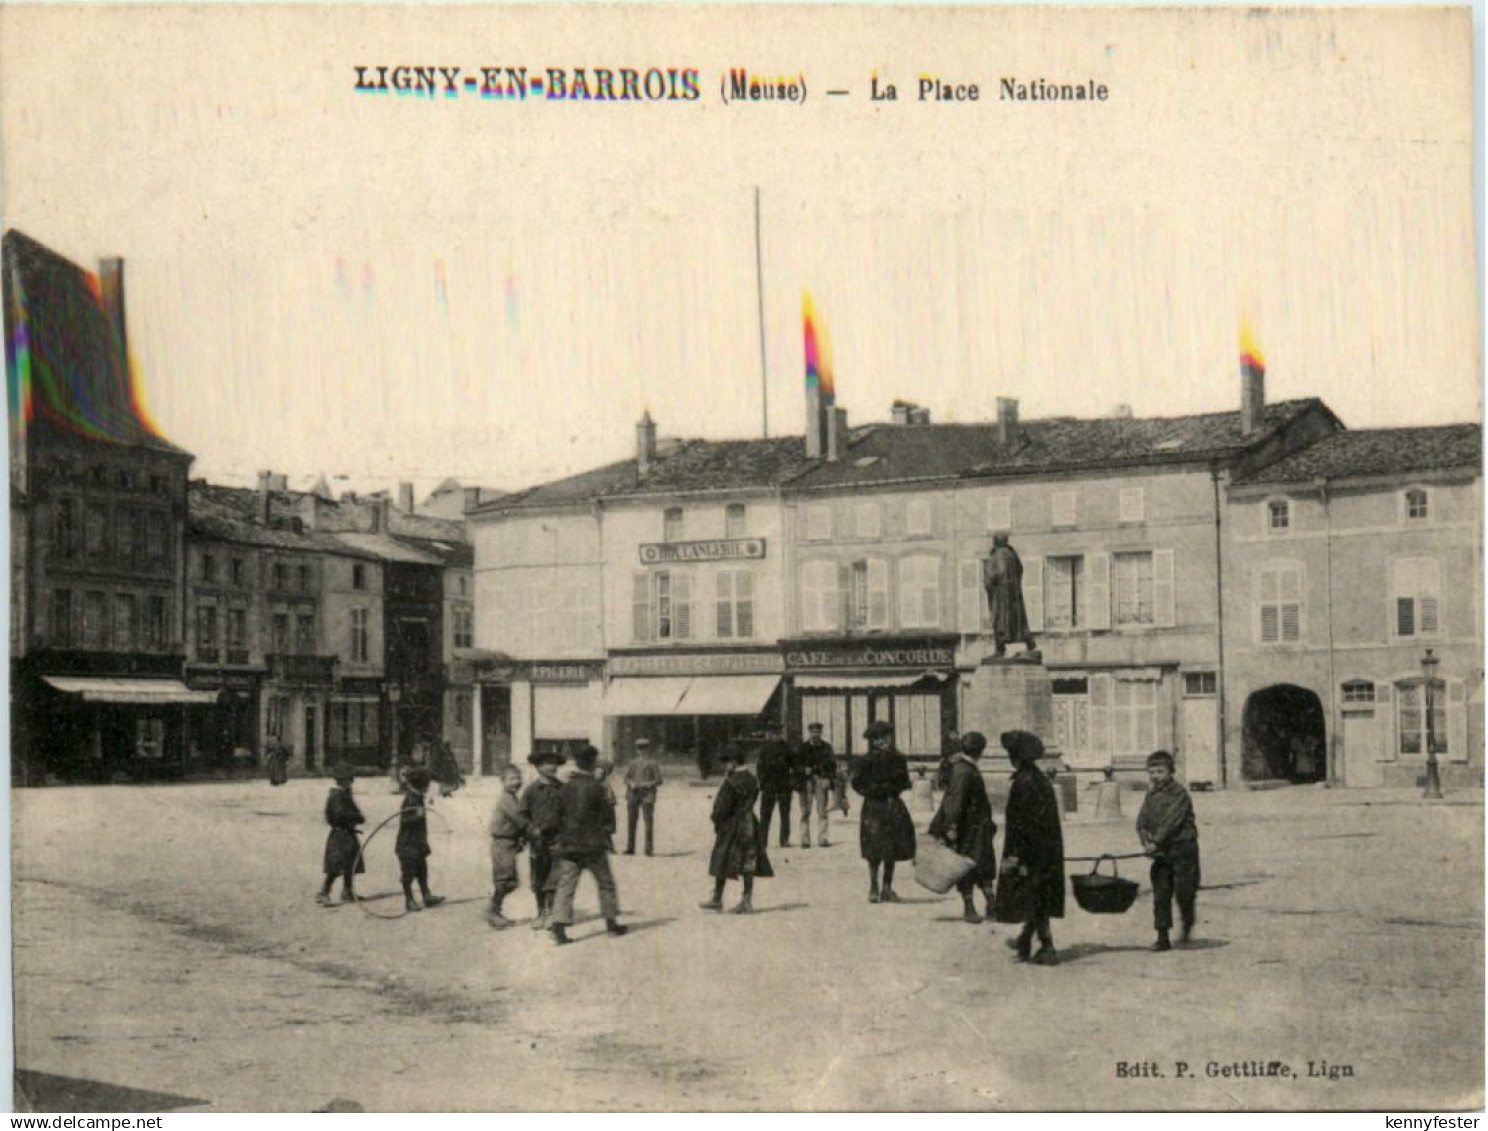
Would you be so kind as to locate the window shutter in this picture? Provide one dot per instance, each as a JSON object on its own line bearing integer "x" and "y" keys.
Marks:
{"x": 1100, "y": 715}
{"x": 970, "y": 598}
{"x": 1456, "y": 728}
{"x": 1385, "y": 722}
{"x": 1098, "y": 591}
{"x": 1291, "y": 626}
{"x": 838, "y": 615}
{"x": 878, "y": 593}
{"x": 1033, "y": 593}
{"x": 682, "y": 606}
{"x": 723, "y": 600}
{"x": 1163, "y": 587}
{"x": 1270, "y": 624}
{"x": 930, "y": 592}
{"x": 1428, "y": 579}
{"x": 1405, "y": 616}
{"x": 909, "y": 592}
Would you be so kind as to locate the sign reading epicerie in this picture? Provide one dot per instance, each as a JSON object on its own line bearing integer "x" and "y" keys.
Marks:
{"x": 711, "y": 550}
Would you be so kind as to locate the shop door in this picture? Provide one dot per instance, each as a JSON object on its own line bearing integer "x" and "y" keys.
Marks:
{"x": 495, "y": 729}
{"x": 312, "y": 745}
{"x": 1361, "y": 749}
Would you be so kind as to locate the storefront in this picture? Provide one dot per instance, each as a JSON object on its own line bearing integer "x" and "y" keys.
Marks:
{"x": 908, "y": 682}
{"x": 691, "y": 704}
{"x": 224, "y": 736}
{"x": 526, "y": 705}
{"x": 100, "y": 728}
{"x": 355, "y": 725}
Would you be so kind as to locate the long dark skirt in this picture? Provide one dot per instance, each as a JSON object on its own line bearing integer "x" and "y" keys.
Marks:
{"x": 886, "y": 831}
{"x": 738, "y": 851}
{"x": 341, "y": 851}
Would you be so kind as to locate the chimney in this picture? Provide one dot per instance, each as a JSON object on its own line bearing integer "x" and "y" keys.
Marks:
{"x": 472, "y": 499}
{"x": 111, "y": 290}
{"x": 1252, "y": 395}
{"x": 380, "y": 508}
{"x": 645, "y": 442}
{"x": 836, "y": 433}
{"x": 265, "y": 485}
{"x": 902, "y": 411}
{"x": 278, "y": 482}
{"x": 918, "y": 415}
{"x": 1007, "y": 422}
{"x": 405, "y": 497}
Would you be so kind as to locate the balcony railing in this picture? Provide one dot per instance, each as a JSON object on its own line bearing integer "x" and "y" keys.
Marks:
{"x": 288, "y": 668}
{"x": 238, "y": 656}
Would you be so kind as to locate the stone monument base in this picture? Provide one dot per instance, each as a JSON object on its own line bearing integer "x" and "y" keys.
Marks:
{"x": 1009, "y": 693}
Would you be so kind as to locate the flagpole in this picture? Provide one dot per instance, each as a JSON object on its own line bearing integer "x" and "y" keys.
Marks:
{"x": 759, "y": 278}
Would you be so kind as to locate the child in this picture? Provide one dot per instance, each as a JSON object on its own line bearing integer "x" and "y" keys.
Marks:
{"x": 413, "y": 841}
{"x": 1170, "y": 836}
{"x": 539, "y": 808}
{"x": 342, "y": 850}
{"x": 738, "y": 848}
{"x": 508, "y": 832}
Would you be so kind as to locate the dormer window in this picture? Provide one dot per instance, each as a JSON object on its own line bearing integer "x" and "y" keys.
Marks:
{"x": 1417, "y": 505}
{"x": 1278, "y": 516}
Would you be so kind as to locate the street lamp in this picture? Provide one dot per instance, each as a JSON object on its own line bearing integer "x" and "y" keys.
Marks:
{"x": 1432, "y": 791}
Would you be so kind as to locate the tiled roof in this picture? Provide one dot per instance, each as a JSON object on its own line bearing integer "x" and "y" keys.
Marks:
{"x": 228, "y": 514}
{"x": 387, "y": 548}
{"x": 895, "y": 453}
{"x": 1379, "y": 451}
{"x": 452, "y": 553}
{"x": 80, "y": 370}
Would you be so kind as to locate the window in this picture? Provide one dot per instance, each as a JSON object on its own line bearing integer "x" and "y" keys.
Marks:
{"x": 159, "y": 547}
{"x": 359, "y": 576}
{"x": 95, "y": 620}
{"x": 66, "y": 533}
{"x": 95, "y": 523}
{"x": 671, "y": 605}
{"x": 818, "y": 523}
{"x": 239, "y": 571}
{"x": 1064, "y": 582}
{"x": 149, "y": 738}
{"x": 155, "y": 629}
{"x": 1062, "y": 508}
{"x": 305, "y": 634}
{"x": 125, "y": 607}
{"x": 359, "y": 636}
{"x": 279, "y": 633}
{"x": 1000, "y": 513}
{"x": 278, "y": 717}
{"x": 351, "y": 724}
{"x": 1071, "y": 703}
{"x": 919, "y": 516}
{"x": 1133, "y": 584}
{"x": 464, "y": 583}
{"x": 1278, "y": 516}
{"x": 869, "y": 520}
{"x": 1410, "y": 717}
{"x": 158, "y": 485}
{"x": 464, "y": 626}
{"x": 868, "y": 594}
{"x": 919, "y": 592}
{"x": 281, "y": 575}
{"x": 302, "y": 577}
{"x": 1133, "y": 718}
{"x": 62, "y": 617}
{"x": 1416, "y": 594}
{"x": 1200, "y": 685}
{"x": 1358, "y": 691}
{"x": 1417, "y": 505}
{"x": 734, "y": 520}
{"x": 124, "y": 533}
{"x": 208, "y": 567}
{"x": 819, "y": 597}
{"x": 1279, "y": 603}
{"x": 734, "y": 590}
{"x": 206, "y": 632}
{"x": 1131, "y": 505}
{"x": 237, "y": 628}
{"x": 673, "y": 525}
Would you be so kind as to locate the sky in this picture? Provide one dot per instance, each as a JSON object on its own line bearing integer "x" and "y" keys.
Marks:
{"x": 394, "y": 288}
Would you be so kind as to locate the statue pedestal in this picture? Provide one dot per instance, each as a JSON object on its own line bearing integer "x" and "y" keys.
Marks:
{"x": 1009, "y": 693}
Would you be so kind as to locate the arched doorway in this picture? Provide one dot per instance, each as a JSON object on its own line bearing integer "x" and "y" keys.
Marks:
{"x": 1284, "y": 735}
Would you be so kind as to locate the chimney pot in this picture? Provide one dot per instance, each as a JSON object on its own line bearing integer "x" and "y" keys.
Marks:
{"x": 645, "y": 442}
{"x": 1252, "y": 399}
{"x": 919, "y": 415}
{"x": 836, "y": 433}
{"x": 472, "y": 498}
{"x": 1007, "y": 422}
{"x": 902, "y": 412}
{"x": 111, "y": 290}
{"x": 405, "y": 497}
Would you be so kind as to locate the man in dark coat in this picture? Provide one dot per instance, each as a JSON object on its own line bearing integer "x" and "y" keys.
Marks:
{"x": 643, "y": 777}
{"x": 885, "y": 832}
{"x": 1032, "y": 848}
{"x": 814, "y": 771}
{"x": 738, "y": 850}
{"x": 1170, "y": 836}
{"x": 775, "y": 786}
{"x": 342, "y": 849}
{"x": 1002, "y": 575}
{"x": 964, "y": 823}
{"x": 539, "y": 810}
{"x": 586, "y": 827}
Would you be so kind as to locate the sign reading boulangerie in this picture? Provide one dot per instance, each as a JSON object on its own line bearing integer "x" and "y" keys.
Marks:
{"x": 710, "y": 550}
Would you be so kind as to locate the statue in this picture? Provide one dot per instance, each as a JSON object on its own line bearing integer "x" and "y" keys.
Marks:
{"x": 1002, "y": 575}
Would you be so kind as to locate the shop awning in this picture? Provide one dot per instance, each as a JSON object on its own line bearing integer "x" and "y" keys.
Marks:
{"x": 853, "y": 682}
{"x": 728, "y": 694}
{"x": 150, "y": 692}
{"x": 645, "y": 696}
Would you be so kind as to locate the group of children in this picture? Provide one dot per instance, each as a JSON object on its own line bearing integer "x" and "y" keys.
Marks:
{"x": 568, "y": 827}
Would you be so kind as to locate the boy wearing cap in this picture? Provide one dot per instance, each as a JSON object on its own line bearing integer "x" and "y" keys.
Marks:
{"x": 539, "y": 808}
{"x": 342, "y": 850}
{"x": 508, "y": 830}
{"x": 412, "y": 847}
{"x": 817, "y": 769}
{"x": 886, "y": 834}
{"x": 586, "y": 822}
{"x": 964, "y": 824}
{"x": 1032, "y": 848}
{"x": 643, "y": 777}
{"x": 1170, "y": 837}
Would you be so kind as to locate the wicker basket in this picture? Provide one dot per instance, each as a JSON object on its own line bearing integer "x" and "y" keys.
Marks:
{"x": 1104, "y": 895}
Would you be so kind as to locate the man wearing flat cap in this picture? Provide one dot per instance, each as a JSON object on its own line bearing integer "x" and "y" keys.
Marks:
{"x": 1032, "y": 849}
{"x": 643, "y": 778}
{"x": 539, "y": 809}
{"x": 886, "y": 834}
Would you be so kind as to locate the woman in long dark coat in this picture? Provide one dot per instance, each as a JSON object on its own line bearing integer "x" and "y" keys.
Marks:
{"x": 1033, "y": 847}
{"x": 342, "y": 849}
{"x": 885, "y": 832}
{"x": 738, "y": 851}
{"x": 964, "y": 822}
